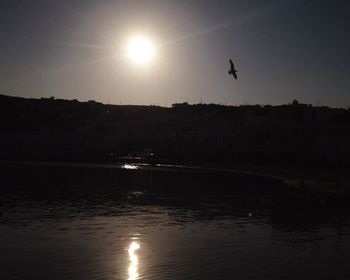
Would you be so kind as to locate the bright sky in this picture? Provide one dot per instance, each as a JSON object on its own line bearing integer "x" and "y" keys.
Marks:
{"x": 80, "y": 49}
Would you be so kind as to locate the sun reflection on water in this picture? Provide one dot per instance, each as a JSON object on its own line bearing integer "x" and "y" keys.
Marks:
{"x": 129, "y": 166}
{"x": 133, "y": 261}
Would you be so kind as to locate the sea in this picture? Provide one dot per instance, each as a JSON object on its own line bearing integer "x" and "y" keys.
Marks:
{"x": 140, "y": 221}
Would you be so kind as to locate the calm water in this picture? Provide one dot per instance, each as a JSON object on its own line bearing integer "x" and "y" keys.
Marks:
{"x": 98, "y": 222}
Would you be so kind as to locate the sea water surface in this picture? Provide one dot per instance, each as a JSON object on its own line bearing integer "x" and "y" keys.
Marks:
{"x": 130, "y": 222}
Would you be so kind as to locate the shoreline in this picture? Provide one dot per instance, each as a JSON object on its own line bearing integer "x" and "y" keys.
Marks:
{"x": 307, "y": 186}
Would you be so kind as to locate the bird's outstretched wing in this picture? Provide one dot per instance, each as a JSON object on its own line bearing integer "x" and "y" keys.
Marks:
{"x": 234, "y": 75}
{"x": 231, "y": 65}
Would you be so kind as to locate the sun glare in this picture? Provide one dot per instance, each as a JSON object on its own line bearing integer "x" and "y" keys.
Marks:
{"x": 141, "y": 50}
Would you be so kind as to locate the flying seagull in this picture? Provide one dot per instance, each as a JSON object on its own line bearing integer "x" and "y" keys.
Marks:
{"x": 232, "y": 70}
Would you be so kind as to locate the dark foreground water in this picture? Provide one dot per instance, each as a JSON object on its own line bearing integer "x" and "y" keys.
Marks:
{"x": 98, "y": 222}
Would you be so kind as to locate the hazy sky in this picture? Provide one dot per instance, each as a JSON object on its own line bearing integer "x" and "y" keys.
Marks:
{"x": 75, "y": 49}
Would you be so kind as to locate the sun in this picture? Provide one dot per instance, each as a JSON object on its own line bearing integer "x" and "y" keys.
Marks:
{"x": 141, "y": 49}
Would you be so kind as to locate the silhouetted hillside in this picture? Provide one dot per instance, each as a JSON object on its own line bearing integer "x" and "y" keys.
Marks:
{"x": 56, "y": 129}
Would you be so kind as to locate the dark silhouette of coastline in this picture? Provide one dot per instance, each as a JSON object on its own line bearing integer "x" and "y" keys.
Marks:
{"x": 68, "y": 130}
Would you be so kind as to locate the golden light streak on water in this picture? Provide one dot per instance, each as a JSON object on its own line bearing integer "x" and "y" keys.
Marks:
{"x": 133, "y": 261}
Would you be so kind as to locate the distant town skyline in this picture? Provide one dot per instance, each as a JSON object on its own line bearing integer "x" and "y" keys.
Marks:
{"x": 283, "y": 50}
